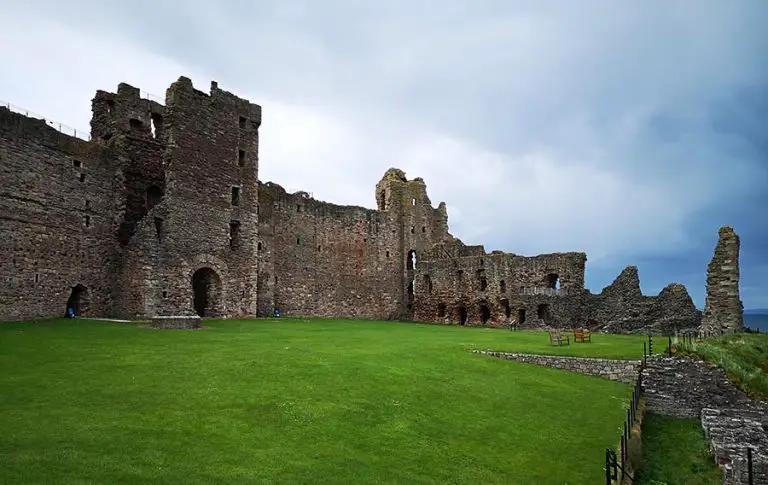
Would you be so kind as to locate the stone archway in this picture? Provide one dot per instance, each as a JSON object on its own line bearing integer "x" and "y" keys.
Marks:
{"x": 78, "y": 300}
{"x": 206, "y": 291}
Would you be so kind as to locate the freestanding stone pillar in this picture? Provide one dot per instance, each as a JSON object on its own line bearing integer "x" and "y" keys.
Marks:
{"x": 723, "y": 309}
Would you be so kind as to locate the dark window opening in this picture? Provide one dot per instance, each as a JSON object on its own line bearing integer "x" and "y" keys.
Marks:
{"x": 136, "y": 125}
{"x": 543, "y": 311}
{"x": 156, "y": 125}
{"x": 298, "y": 240}
{"x": 462, "y": 315}
{"x": 258, "y": 246}
{"x": 411, "y": 262}
{"x": 553, "y": 281}
{"x": 318, "y": 248}
{"x": 77, "y": 163}
{"x": 460, "y": 275}
{"x": 521, "y": 316}
{"x": 428, "y": 283}
{"x": 502, "y": 286}
{"x": 485, "y": 313}
{"x": 410, "y": 292}
{"x": 87, "y": 204}
{"x": 235, "y": 196}
{"x": 234, "y": 234}
{"x": 106, "y": 136}
{"x": 37, "y": 278}
{"x": 241, "y": 158}
{"x": 481, "y": 261}
{"x": 298, "y": 208}
{"x": 159, "y": 228}
{"x": 387, "y": 254}
{"x": 242, "y": 122}
{"x": 482, "y": 282}
{"x": 110, "y": 106}
{"x": 87, "y": 221}
{"x": 154, "y": 196}
{"x": 275, "y": 279}
{"x": 505, "y": 306}
{"x": 165, "y": 294}
{"x": 413, "y": 230}
{"x": 441, "y": 310}
{"x": 82, "y": 177}
{"x": 423, "y": 228}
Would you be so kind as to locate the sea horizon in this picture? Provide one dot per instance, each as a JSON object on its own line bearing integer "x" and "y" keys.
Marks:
{"x": 756, "y": 321}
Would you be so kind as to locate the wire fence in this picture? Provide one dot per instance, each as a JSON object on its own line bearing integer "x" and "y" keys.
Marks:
{"x": 151, "y": 97}
{"x": 616, "y": 466}
{"x": 61, "y": 127}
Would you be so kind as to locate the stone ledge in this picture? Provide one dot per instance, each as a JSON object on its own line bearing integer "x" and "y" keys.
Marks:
{"x": 730, "y": 431}
{"x": 613, "y": 369}
{"x": 176, "y": 321}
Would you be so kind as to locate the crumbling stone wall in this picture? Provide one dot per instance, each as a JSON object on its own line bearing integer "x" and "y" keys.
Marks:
{"x": 134, "y": 215}
{"x": 56, "y": 221}
{"x": 723, "y": 309}
{"x": 462, "y": 284}
{"x": 622, "y": 307}
{"x": 612, "y": 369}
{"x": 323, "y": 259}
{"x": 179, "y": 224}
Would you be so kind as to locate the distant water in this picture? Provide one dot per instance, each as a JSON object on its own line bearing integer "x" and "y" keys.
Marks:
{"x": 757, "y": 322}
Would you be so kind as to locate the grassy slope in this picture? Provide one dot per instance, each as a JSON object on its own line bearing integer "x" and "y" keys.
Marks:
{"x": 744, "y": 357}
{"x": 676, "y": 452}
{"x": 300, "y": 402}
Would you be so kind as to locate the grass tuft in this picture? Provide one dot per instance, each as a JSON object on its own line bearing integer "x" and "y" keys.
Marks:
{"x": 743, "y": 356}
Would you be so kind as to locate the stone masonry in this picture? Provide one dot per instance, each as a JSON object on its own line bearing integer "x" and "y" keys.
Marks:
{"x": 723, "y": 309}
{"x": 615, "y": 370}
{"x": 163, "y": 213}
{"x": 688, "y": 387}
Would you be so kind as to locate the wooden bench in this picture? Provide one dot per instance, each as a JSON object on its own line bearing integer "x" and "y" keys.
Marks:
{"x": 582, "y": 335}
{"x": 555, "y": 338}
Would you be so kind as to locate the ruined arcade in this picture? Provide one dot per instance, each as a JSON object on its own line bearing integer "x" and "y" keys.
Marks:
{"x": 163, "y": 213}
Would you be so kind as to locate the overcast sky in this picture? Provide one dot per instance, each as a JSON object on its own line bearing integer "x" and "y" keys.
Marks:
{"x": 631, "y": 130}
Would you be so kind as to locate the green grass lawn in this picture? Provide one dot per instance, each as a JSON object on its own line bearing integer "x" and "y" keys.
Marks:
{"x": 299, "y": 401}
{"x": 675, "y": 452}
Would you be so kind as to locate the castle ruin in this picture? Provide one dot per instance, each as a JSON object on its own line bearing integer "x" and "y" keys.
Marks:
{"x": 163, "y": 213}
{"x": 723, "y": 309}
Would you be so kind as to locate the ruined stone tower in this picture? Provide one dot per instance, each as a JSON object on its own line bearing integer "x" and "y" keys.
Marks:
{"x": 723, "y": 309}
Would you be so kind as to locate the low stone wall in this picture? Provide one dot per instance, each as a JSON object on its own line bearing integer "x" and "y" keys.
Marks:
{"x": 178, "y": 321}
{"x": 616, "y": 370}
{"x": 682, "y": 386}
{"x": 730, "y": 431}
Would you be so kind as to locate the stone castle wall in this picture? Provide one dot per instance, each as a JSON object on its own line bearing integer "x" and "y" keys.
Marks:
{"x": 179, "y": 224}
{"x": 56, "y": 220}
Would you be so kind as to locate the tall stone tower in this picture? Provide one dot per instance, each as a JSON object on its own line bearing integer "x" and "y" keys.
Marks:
{"x": 723, "y": 309}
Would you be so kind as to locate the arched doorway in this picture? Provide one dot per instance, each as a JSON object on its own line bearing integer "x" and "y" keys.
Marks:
{"x": 485, "y": 312}
{"x": 78, "y": 300}
{"x": 206, "y": 289}
{"x": 462, "y": 315}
